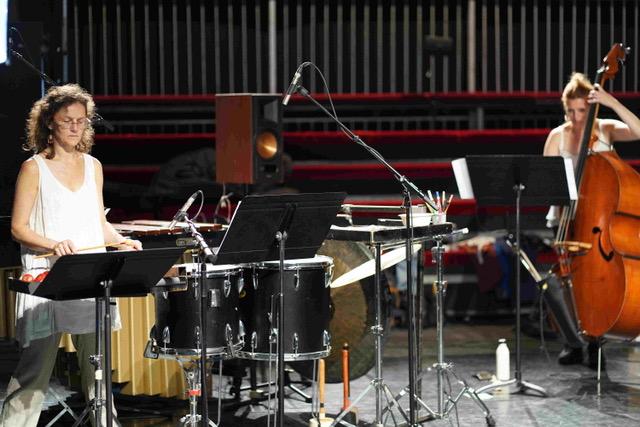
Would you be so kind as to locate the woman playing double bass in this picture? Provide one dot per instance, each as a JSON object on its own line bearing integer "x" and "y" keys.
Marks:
{"x": 565, "y": 141}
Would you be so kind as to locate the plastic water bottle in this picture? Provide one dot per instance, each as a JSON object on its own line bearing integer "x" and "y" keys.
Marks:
{"x": 502, "y": 361}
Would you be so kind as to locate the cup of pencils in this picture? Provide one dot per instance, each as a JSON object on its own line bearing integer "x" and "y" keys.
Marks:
{"x": 441, "y": 203}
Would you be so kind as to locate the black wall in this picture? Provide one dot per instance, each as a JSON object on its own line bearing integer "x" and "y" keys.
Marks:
{"x": 19, "y": 88}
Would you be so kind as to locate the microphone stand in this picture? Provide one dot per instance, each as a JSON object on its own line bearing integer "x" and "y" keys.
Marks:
{"x": 205, "y": 255}
{"x": 98, "y": 119}
{"x": 407, "y": 188}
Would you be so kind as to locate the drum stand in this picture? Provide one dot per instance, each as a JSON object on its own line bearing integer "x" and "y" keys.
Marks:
{"x": 191, "y": 371}
{"x": 442, "y": 368}
{"x": 376, "y": 383}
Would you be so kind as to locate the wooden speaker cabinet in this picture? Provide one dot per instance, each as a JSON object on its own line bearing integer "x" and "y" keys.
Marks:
{"x": 249, "y": 138}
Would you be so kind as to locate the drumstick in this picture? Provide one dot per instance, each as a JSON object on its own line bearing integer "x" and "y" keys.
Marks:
{"x": 352, "y": 416}
{"x": 321, "y": 380}
{"x": 322, "y": 420}
{"x": 345, "y": 376}
{"x": 106, "y": 245}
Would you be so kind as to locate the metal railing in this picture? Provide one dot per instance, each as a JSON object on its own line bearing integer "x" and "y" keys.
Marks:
{"x": 220, "y": 46}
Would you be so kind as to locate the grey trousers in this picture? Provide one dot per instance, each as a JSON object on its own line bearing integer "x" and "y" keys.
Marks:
{"x": 30, "y": 381}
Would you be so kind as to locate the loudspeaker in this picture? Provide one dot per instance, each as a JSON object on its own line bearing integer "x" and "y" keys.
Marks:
{"x": 249, "y": 138}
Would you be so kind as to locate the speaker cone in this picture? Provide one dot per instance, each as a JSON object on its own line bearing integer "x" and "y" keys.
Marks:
{"x": 267, "y": 145}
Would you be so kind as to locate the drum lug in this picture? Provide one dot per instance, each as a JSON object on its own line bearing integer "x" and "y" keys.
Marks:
{"x": 228, "y": 334}
{"x": 227, "y": 286}
{"x": 241, "y": 331}
{"x": 254, "y": 341}
{"x": 166, "y": 336}
{"x": 327, "y": 276}
{"x": 273, "y": 336}
{"x": 149, "y": 350}
{"x": 326, "y": 338}
{"x": 254, "y": 276}
{"x": 196, "y": 291}
{"x": 294, "y": 343}
{"x": 296, "y": 279}
{"x": 214, "y": 298}
{"x": 240, "y": 284}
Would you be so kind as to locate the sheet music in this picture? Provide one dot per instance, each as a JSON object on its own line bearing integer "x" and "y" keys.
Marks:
{"x": 461, "y": 173}
{"x": 571, "y": 179}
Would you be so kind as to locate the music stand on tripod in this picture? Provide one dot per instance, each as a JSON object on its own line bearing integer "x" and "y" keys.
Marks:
{"x": 516, "y": 180}
{"x": 279, "y": 227}
{"x": 102, "y": 276}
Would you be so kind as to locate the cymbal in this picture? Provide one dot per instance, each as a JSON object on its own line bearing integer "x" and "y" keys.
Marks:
{"x": 388, "y": 259}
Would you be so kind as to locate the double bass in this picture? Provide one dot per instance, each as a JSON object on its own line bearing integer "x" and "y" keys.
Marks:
{"x": 604, "y": 226}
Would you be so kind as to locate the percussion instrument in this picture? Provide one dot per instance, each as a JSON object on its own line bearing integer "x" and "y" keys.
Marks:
{"x": 352, "y": 314}
{"x": 176, "y": 332}
{"x": 306, "y": 309}
{"x": 156, "y": 234}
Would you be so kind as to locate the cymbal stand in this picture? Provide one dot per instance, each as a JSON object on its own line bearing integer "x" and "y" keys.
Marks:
{"x": 377, "y": 383}
{"x": 443, "y": 369}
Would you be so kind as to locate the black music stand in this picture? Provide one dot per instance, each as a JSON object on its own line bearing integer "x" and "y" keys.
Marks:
{"x": 279, "y": 227}
{"x": 101, "y": 276}
{"x": 516, "y": 180}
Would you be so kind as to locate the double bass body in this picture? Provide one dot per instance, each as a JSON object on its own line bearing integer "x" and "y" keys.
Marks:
{"x": 606, "y": 278}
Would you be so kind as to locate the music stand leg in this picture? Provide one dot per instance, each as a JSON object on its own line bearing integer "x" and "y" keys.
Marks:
{"x": 96, "y": 360}
{"x": 521, "y": 385}
{"x": 107, "y": 347}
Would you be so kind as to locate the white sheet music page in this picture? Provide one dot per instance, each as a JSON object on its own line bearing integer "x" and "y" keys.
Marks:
{"x": 571, "y": 179}
{"x": 461, "y": 173}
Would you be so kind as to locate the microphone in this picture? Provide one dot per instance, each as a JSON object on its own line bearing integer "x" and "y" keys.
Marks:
{"x": 183, "y": 210}
{"x": 293, "y": 87}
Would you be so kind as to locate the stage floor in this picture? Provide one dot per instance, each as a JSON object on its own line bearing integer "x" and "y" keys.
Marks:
{"x": 573, "y": 399}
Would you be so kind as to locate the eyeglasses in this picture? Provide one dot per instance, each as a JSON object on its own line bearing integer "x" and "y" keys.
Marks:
{"x": 80, "y": 123}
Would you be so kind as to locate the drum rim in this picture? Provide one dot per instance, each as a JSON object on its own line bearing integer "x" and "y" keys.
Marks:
{"x": 220, "y": 273}
{"x": 297, "y": 263}
{"x": 288, "y": 357}
{"x": 211, "y": 351}
{"x": 211, "y": 268}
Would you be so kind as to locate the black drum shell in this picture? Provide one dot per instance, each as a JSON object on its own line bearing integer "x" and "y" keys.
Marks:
{"x": 306, "y": 309}
{"x": 177, "y": 309}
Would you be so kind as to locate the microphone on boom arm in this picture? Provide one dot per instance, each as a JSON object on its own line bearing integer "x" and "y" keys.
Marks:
{"x": 295, "y": 83}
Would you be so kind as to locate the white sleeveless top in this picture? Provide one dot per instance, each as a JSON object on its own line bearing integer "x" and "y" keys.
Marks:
{"x": 59, "y": 214}
{"x": 602, "y": 144}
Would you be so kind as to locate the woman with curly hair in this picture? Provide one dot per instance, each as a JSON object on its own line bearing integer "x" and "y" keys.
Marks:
{"x": 58, "y": 207}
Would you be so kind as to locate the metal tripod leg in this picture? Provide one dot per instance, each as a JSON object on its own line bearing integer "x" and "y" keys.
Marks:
{"x": 378, "y": 331}
{"x": 442, "y": 369}
{"x": 65, "y": 408}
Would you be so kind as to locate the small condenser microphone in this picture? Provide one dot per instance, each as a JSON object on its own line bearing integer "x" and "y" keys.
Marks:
{"x": 180, "y": 214}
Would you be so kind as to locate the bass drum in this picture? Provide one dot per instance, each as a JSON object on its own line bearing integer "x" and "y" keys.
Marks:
{"x": 353, "y": 313}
